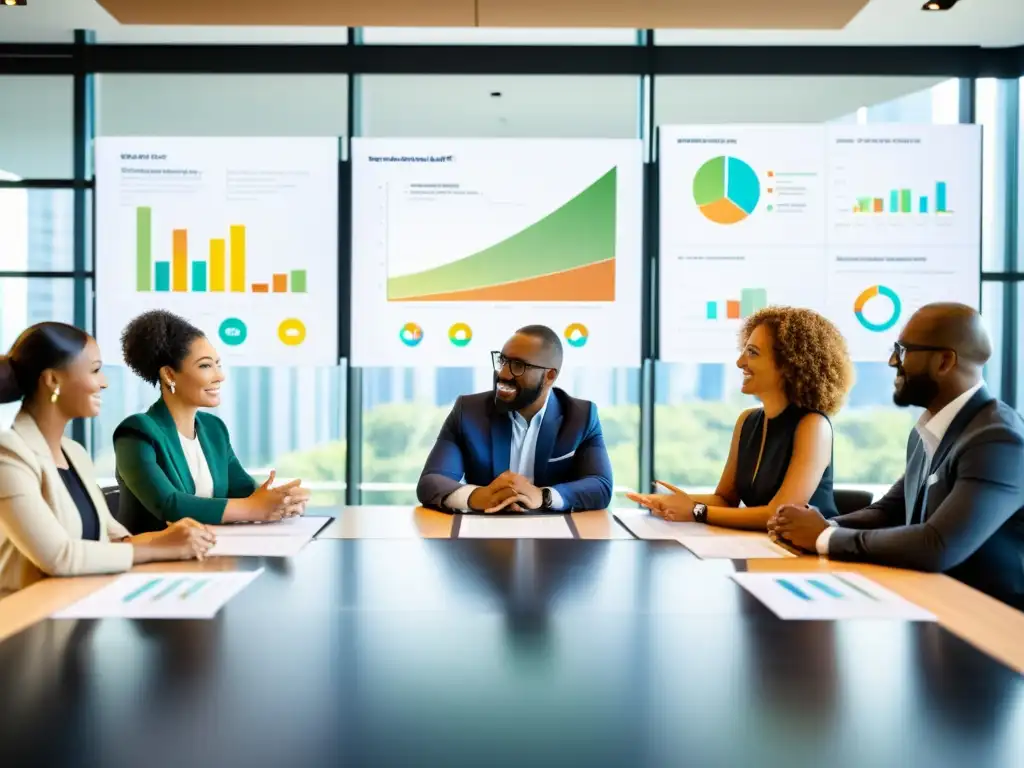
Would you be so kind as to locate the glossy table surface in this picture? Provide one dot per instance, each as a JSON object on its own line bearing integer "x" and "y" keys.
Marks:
{"x": 450, "y": 652}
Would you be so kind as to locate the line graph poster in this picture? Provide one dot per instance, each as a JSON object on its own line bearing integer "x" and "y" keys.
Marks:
{"x": 456, "y": 243}
{"x": 239, "y": 236}
{"x": 864, "y": 223}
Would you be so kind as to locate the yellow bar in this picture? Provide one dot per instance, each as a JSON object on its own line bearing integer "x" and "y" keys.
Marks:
{"x": 237, "y": 258}
{"x": 217, "y": 264}
{"x": 179, "y": 260}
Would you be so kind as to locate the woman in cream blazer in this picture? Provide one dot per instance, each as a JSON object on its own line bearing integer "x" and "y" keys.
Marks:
{"x": 54, "y": 520}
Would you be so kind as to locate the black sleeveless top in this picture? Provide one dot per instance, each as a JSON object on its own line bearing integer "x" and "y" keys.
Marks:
{"x": 778, "y": 450}
{"x": 87, "y": 510}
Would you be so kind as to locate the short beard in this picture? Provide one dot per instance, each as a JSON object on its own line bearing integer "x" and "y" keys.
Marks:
{"x": 920, "y": 391}
{"x": 522, "y": 399}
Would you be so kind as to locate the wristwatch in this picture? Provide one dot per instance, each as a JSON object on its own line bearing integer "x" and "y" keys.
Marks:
{"x": 700, "y": 512}
{"x": 546, "y": 501}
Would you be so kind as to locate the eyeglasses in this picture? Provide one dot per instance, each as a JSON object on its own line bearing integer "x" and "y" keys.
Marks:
{"x": 900, "y": 349}
{"x": 515, "y": 367}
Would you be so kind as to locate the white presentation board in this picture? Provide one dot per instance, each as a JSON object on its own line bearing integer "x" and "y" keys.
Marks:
{"x": 864, "y": 223}
{"x": 456, "y": 243}
{"x": 237, "y": 235}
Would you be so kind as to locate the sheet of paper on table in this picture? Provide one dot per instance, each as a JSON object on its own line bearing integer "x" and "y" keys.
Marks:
{"x": 726, "y": 547}
{"x": 514, "y": 527}
{"x": 644, "y": 525}
{"x": 828, "y": 597}
{"x": 258, "y": 546}
{"x": 161, "y": 596}
{"x": 293, "y": 526}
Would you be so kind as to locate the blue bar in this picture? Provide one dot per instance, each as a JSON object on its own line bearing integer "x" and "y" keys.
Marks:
{"x": 830, "y": 591}
{"x": 199, "y": 276}
{"x": 712, "y": 310}
{"x": 787, "y": 584}
{"x": 924, "y": 203}
{"x": 163, "y": 275}
{"x": 940, "y": 197}
{"x": 144, "y": 588}
{"x": 894, "y": 201}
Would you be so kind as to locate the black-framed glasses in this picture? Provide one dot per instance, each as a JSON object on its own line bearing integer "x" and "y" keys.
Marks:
{"x": 515, "y": 366}
{"x": 900, "y": 349}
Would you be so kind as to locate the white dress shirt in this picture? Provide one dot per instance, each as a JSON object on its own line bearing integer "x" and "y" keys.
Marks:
{"x": 521, "y": 460}
{"x": 931, "y": 430}
{"x": 197, "y": 466}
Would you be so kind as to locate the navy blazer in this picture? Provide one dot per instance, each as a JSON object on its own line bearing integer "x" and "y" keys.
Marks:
{"x": 475, "y": 443}
{"x": 968, "y": 518}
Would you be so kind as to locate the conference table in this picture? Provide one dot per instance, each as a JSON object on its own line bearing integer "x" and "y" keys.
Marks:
{"x": 391, "y": 640}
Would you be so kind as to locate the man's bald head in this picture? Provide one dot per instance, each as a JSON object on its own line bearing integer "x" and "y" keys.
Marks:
{"x": 955, "y": 326}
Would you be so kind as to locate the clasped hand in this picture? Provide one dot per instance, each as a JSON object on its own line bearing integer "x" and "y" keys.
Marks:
{"x": 675, "y": 506}
{"x": 509, "y": 492}
{"x": 287, "y": 500}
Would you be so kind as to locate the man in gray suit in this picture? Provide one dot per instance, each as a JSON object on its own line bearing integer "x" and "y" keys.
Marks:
{"x": 959, "y": 508}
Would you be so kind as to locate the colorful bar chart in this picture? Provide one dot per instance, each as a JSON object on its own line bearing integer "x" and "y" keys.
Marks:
{"x": 751, "y": 300}
{"x": 224, "y": 270}
{"x": 902, "y": 201}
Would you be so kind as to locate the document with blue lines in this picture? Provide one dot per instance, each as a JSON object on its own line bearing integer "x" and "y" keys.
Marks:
{"x": 828, "y": 597}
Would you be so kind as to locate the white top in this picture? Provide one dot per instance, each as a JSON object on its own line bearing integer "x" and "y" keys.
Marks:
{"x": 931, "y": 430}
{"x": 196, "y": 460}
{"x": 521, "y": 460}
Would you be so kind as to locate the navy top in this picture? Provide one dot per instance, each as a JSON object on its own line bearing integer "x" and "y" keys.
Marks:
{"x": 87, "y": 510}
{"x": 778, "y": 450}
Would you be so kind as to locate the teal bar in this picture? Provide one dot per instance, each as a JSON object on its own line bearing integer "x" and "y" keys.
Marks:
{"x": 163, "y": 275}
{"x": 141, "y": 590}
{"x": 170, "y": 588}
{"x": 199, "y": 276}
{"x": 924, "y": 204}
{"x": 194, "y": 588}
{"x": 940, "y": 197}
{"x": 894, "y": 202}
{"x": 712, "y": 310}
{"x": 752, "y": 300}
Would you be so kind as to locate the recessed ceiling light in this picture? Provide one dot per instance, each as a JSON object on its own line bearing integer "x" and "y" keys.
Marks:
{"x": 938, "y": 5}
{"x": 10, "y": 2}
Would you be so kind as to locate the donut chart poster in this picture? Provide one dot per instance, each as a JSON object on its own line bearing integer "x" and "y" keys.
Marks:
{"x": 864, "y": 223}
{"x": 237, "y": 235}
{"x": 456, "y": 243}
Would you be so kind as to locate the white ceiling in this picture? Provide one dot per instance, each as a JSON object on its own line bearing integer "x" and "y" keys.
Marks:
{"x": 993, "y": 23}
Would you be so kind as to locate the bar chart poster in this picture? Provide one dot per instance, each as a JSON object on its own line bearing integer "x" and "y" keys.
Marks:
{"x": 904, "y": 185}
{"x": 459, "y": 242}
{"x": 707, "y": 294}
{"x": 239, "y": 236}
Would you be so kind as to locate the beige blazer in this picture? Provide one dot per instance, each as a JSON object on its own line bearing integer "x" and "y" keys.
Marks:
{"x": 40, "y": 526}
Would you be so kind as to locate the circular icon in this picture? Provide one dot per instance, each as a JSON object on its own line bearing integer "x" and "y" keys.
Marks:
{"x": 460, "y": 334}
{"x": 411, "y": 334}
{"x": 233, "y": 332}
{"x": 726, "y": 190}
{"x": 866, "y": 296}
{"x": 577, "y": 334}
{"x": 291, "y": 332}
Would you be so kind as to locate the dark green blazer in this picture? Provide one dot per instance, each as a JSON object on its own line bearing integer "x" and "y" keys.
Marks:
{"x": 156, "y": 485}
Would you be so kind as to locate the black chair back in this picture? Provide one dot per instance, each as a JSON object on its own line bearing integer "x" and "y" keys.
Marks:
{"x": 851, "y": 500}
{"x": 112, "y": 496}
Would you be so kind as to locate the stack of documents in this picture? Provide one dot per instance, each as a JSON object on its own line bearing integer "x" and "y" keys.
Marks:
{"x": 516, "y": 526}
{"x": 284, "y": 538}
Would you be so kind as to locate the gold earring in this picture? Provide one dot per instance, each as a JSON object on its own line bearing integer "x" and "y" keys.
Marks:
{"x": 55, "y": 395}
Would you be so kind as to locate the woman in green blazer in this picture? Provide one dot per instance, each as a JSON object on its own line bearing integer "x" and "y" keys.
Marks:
{"x": 173, "y": 461}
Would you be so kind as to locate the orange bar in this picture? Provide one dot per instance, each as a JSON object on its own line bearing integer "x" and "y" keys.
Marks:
{"x": 217, "y": 264}
{"x": 280, "y": 283}
{"x": 878, "y": 205}
{"x": 732, "y": 310}
{"x": 179, "y": 260}
{"x": 260, "y": 288}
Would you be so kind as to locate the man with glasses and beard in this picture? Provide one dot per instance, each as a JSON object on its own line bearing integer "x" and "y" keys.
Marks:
{"x": 959, "y": 508}
{"x": 525, "y": 445}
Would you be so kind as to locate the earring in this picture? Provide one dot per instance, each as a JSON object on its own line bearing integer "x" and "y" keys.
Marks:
{"x": 170, "y": 386}
{"x": 55, "y": 395}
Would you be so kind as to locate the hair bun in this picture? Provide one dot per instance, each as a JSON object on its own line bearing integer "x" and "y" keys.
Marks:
{"x": 10, "y": 390}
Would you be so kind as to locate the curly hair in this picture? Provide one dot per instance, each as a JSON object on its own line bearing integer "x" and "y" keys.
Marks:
{"x": 155, "y": 339}
{"x": 810, "y": 354}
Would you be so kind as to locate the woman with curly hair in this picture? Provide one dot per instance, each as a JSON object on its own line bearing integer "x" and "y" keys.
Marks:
{"x": 796, "y": 363}
{"x": 174, "y": 461}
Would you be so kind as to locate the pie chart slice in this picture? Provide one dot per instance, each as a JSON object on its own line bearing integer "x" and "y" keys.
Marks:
{"x": 726, "y": 190}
